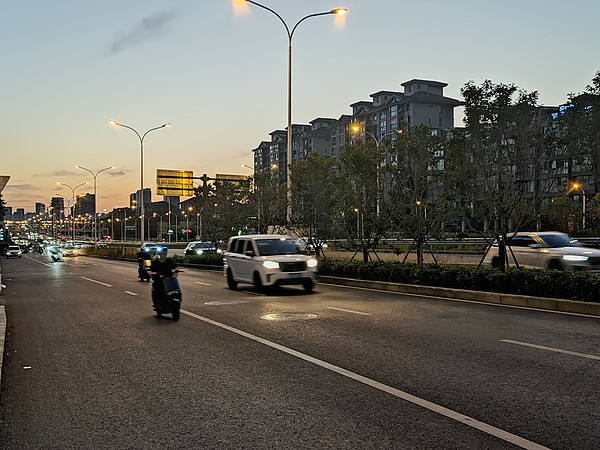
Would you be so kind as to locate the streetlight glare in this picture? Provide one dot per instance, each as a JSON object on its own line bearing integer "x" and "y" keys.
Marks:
{"x": 339, "y": 11}
{"x": 113, "y": 122}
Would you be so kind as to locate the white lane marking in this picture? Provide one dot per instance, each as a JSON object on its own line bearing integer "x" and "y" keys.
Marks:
{"x": 450, "y": 299}
{"x": 203, "y": 284}
{"x": 39, "y": 262}
{"x": 130, "y": 293}
{"x": 99, "y": 282}
{"x": 551, "y": 349}
{"x": 348, "y": 311}
{"x": 466, "y": 420}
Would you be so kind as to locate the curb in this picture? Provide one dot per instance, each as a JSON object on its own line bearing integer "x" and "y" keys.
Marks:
{"x": 551, "y": 304}
{"x": 2, "y": 334}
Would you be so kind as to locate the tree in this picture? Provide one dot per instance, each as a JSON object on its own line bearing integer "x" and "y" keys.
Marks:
{"x": 313, "y": 206}
{"x": 580, "y": 127}
{"x": 357, "y": 191}
{"x": 413, "y": 198}
{"x": 505, "y": 144}
{"x": 268, "y": 200}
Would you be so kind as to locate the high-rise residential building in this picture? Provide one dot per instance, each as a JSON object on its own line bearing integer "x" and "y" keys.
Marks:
{"x": 135, "y": 199}
{"x": 40, "y": 208}
{"x": 85, "y": 204}
{"x": 421, "y": 102}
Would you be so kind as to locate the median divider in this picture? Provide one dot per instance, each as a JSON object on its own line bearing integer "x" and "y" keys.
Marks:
{"x": 551, "y": 304}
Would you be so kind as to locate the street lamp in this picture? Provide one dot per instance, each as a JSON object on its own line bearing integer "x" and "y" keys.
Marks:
{"x": 95, "y": 198}
{"x": 290, "y": 35}
{"x": 60, "y": 183}
{"x": 356, "y": 129}
{"x": 141, "y": 137}
{"x": 578, "y": 186}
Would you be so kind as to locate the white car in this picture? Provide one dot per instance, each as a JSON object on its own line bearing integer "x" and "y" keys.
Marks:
{"x": 268, "y": 260}
{"x": 548, "y": 250}
{"x": 13, "y": 251}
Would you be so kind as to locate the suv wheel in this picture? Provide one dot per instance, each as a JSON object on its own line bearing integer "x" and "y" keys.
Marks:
{"x": 308, "y": 286}
{"x": 258, "y": 283}
{"x": 555, "y": 265}
{"x": 231, "y": 283}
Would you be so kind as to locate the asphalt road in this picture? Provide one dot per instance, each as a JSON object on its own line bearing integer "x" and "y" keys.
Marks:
{"x": 87, "y": 365}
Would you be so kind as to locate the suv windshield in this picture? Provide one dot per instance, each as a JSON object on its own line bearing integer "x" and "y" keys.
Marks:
{"x": 268, "y": 247}
{"x": 558, "y": 240}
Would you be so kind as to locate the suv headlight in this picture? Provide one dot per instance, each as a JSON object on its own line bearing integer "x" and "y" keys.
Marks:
{"x": 271, "y": 264}
{"x": 575, "y": 258}
{"x": 311, "y": 263}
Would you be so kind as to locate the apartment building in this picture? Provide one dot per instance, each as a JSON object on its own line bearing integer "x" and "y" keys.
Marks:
{"x": 421, "y": 102}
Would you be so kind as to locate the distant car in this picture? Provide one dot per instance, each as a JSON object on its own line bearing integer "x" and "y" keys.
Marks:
{"x": 152, "y": 248}
{"x": 268, "y": 260}
{"x": 201, "y": 248}
{"x": 70, "y": 250}
{"x": 548, "y": 250}
{"x": 13, "y": 251}
{"x": 305, "y": 243}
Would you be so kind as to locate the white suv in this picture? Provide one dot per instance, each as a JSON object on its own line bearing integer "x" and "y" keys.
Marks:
{"x": 548, "y": 250}
{"x": 13, "y": 250}
{"x": 268, "y": 260}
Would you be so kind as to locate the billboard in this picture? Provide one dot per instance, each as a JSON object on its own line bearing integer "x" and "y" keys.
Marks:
{"x": 174, "y": 182}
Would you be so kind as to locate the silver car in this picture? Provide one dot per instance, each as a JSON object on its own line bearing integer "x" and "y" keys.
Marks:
{"x": 548, "y": 250}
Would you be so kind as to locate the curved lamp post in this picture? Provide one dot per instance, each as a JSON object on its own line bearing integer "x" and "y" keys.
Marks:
{"x": 141, "y": 138}
{"x": 290, "y": 35}
{"x": 60, "y": 183}
{"x": 578, "y": 186}
{"x": 94, "y": 175}
{"x": 356, "y": 129}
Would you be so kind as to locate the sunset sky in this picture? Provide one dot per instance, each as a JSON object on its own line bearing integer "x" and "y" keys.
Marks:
{"x": 217, "y": 70}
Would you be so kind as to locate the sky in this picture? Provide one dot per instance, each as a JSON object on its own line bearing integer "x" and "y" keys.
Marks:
{"x": 217, "y": 71}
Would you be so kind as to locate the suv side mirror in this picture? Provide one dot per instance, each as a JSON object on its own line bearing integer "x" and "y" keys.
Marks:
{"x": 250, "y": 253}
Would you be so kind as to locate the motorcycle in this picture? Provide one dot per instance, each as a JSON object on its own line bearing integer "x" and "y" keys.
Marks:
{"x": 168, "y": 299}
{"x": 55, "y": 255}
{"x": 143, "y": 267}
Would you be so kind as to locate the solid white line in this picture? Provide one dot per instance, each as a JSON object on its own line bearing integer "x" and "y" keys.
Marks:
{"x": 99, "y": 282}
{"x": 203, "y": 284}
{"x": 348, "y": 311}
{"x": 551, "y": 349}
{"x": 130, "y": 293}
{"x": 466, "y": 420}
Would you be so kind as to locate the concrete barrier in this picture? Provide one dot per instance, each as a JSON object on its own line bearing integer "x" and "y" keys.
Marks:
{"x": 551, "y": 304}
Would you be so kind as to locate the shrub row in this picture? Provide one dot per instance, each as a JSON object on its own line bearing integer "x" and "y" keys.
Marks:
{"x": 582, "y": 286}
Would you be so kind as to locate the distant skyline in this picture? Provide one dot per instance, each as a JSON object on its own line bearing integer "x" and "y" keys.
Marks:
{"x": 218, "y": 71}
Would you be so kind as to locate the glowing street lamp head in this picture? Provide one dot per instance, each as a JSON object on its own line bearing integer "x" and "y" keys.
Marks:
{"x": 113, "y": 122}
{"x": 339, "y": 11}
{"x": 166, "y": 125}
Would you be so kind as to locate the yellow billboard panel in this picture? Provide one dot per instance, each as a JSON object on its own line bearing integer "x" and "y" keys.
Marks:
{"x": 175, "y": 182}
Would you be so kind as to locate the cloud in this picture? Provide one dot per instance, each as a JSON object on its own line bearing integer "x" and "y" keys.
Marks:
{"x": 119, "y": 173}
{"x": 147, "y": 29}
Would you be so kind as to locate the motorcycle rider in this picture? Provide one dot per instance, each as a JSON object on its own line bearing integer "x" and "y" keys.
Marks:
{"x": 159, "y": 269}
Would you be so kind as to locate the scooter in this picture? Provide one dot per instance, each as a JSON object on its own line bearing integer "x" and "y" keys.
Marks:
{"x": 167, "y": 301}
{"x": 55, "y": 255}
{"x": 143, "y": 267}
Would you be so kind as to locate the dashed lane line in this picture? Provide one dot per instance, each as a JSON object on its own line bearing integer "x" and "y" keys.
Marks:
{"x": 130, "y": 293}
{"x": 551, "y": 349}
{"x": 98, "y": 282}
{"x": 466, "y": 420}
{"x": 348, "y": 311}
{"x": 203, "y": 284}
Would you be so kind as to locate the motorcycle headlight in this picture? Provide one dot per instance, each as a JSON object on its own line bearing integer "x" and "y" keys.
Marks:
{"x": 271, "y": 264}
{"x": 311, "y": 263}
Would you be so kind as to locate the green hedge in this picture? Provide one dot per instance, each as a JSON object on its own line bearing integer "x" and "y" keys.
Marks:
{"x": 583, "y": 286}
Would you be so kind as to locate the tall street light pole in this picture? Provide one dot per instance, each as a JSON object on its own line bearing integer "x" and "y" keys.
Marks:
{"x": 141, "y": 138}
{"x": 290, "y": 35}
{"x": 95, "y": 175}
{"x": 356, "y": 129}
{"x": 73, "y": 189}
{"x": 578, "y": 186}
